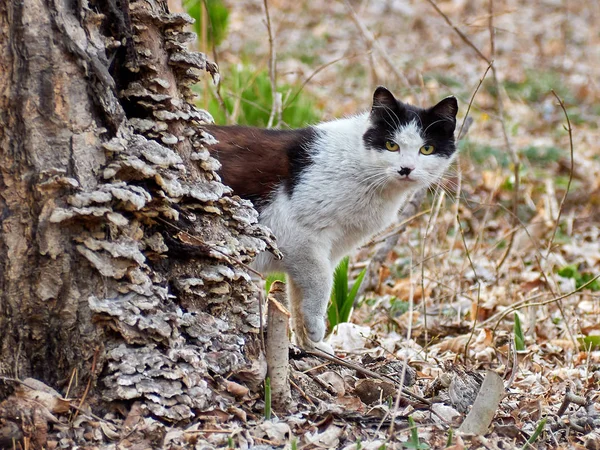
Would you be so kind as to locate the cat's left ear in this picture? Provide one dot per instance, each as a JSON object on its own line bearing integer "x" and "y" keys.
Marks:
{"x": 383, "y": 98}
{"x": 446, "y": 109}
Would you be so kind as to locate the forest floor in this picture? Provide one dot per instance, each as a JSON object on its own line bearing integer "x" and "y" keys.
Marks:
{"x": 493, "y": 274}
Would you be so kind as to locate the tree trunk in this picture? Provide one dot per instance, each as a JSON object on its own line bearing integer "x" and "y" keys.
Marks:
{"x": 121, "y": 253}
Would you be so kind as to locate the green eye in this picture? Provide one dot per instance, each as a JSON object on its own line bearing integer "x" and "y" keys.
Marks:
{"x": 391, "y": 146}
{"x": 427, "y": 149}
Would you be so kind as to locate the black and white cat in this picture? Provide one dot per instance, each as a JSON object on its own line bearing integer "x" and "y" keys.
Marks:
{"x": 325, "y": 189}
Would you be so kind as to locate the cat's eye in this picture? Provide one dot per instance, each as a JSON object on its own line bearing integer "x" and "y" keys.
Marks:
{"x": 391, "y": 146}
{"x": 427, "y": 149}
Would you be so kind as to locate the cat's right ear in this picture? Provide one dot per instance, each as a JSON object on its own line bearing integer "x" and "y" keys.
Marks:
{"x": 383, "y": 98}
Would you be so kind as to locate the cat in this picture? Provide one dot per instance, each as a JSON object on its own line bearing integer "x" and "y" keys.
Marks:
{"x": 327, "y": 188}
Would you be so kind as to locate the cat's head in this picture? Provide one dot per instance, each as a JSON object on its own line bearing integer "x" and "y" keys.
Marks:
{"x": 413, "y": 146}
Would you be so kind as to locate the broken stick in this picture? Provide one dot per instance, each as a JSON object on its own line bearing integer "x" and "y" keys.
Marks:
{"x": 277, "y": 345}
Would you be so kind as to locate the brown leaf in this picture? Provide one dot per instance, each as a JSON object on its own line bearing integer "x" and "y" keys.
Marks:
{"x": 370, "y": 390}
{"x": 36, "y": 390}
{"x": 236, "y": 389}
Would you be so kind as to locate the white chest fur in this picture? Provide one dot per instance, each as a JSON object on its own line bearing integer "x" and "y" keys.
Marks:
{"x": 345, "y": 196}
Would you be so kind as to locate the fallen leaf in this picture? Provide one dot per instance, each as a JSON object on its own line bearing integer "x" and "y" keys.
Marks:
{"x": 486, "y": 404}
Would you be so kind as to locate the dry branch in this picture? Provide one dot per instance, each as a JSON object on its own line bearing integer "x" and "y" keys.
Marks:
{"x": 368, "y": 36}
{"x": 328, "y": 357}
{"x": 465, "y": 39}
{"x": 277, "y": 345}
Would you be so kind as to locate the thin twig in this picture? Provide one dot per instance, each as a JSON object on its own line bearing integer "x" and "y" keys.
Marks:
{"x": 515, "y": 363}
{"x": 423, "y": 261}
{"x": 460, "y": 132}
{"x": 395, "y": 229}
{"x": 570, "y": 398}
{"x": 562, "y": 202}
{"x": 511, "y": 151}
{"x": 71, "y": 405}
{"x": 408, "y": 211}
{"x": 272, "y": 68}
{"x": 324, "y": 355}
{"x": 405, "y": 362}
{"x": 316, "y": 71}
{"x": 499, "y": 106}
{"x": 71, "y": 380}
{"x": 545, "y": 302}
{"x": 89, "y": 383}
{"x": 478, "y": 287}
{"x": 302, "y": 393}
{"x": 465, "y": 39}
{"x": 368, "y": 36}
{"x": 538, "y": 257}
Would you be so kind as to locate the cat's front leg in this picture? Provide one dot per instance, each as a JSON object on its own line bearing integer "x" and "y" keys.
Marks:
{"x": 309, "y": 282}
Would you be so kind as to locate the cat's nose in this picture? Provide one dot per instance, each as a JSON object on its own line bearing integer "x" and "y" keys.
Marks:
{"x": 405, "y": 171}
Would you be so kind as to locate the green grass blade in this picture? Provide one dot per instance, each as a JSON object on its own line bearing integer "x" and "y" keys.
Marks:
{"x": 340, "y": 292}
{"x": 518, "y": 332}
{"x": 536, "y": 433}
{"x": 268, "y": 398}
{"x": 351, "y": 298}
{"x": 450, "y": 436}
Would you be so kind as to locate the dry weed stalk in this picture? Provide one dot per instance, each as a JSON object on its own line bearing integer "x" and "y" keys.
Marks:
{"x": 405, "y": 362}
{"x": 277, "y": 102}
{"x": 360, "y": 369}
{"x": 522, "y": 304}
{"x": 499, "y": 106}
{"x": 562, "y": 202}
{"x": 511, "y": 150}
{"x": 475, "y": 316}
{"x": 373, "y": 43}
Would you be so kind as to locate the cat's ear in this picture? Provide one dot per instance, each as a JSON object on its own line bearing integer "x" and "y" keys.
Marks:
{"x": 446, "y": 109}
{"x": 382, "y": 98}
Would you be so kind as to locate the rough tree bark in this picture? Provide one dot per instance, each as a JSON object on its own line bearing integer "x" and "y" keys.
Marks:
{"x": 120, "y": 250}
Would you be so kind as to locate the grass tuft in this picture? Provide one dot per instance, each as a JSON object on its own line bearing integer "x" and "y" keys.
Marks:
{"x": 342, "y": 299}
{"x": 248, "y": 99}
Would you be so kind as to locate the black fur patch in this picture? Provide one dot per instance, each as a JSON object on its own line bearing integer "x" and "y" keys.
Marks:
{"x": 256, "y": 161}
{"x": 299, "y": 157}
{"x": 437, "y": 124}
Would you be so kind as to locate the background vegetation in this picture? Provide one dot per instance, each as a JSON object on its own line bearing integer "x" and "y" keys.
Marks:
{"x": 514, "y": 224}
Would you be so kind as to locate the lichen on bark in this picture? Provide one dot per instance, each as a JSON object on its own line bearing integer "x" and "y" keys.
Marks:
{"x": 119, "y": 242}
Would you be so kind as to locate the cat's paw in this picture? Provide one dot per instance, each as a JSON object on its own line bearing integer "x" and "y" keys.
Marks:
{"x": 315, "y": 328}
{"x": 324, "y": 347}
{"x": 307, "y": 344}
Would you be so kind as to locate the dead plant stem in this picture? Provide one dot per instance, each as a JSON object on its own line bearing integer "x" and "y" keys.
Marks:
{"x": 372, "y": 42}
{"x": 499, "y": 105}
{"x": 511, "y": 151}
{"x": 546, "y": 302}
{"x": 411, "y": 307}
{"x": 465, "y": 39}
{"x": 562, "y": 202}
{"x": 473, "y": 97}
{"x": 272, "y": 67}
{"x": 316, "y": 72}
{"x": 462, "y": 234}
{"x": 328, "y": 357}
